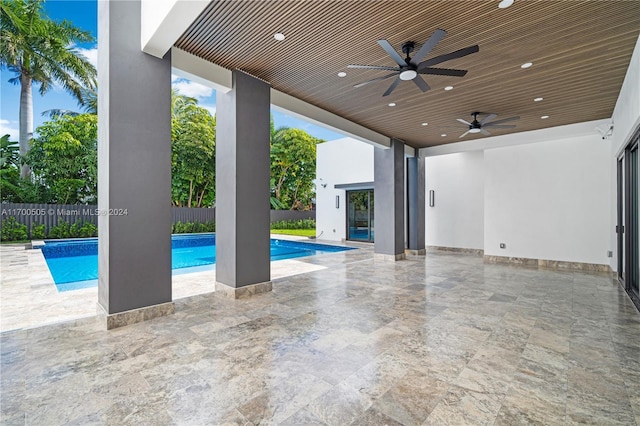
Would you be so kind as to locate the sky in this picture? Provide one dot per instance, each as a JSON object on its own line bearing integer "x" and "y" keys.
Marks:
{"x": 83, "y": 14}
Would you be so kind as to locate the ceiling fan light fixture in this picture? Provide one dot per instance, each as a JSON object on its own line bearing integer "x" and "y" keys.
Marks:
{"x": 474, "y": 130}
{"x": 505, "y": 4}
{"x": 408, "y": 75}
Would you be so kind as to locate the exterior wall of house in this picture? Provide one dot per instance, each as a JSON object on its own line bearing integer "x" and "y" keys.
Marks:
{"x": 549, "y": 200}
{"x": 341, "y": 161}
{"x": 544, "y": 200}
{"x": 457, "y": 217}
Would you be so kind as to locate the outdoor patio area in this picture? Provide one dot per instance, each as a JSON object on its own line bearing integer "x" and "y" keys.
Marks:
{"x": 441, "y": 339}
{"x": 30, "y": 298}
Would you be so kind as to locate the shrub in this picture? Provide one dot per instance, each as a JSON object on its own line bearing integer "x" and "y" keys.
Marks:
{"x": 294, "y": 224}
{"x": 192, "y": 227}
{"x": 88, "y": 229}
{"x": 38, "y": 232}
{"x": 76, "y": 230}
{"x": 12, "y": 230}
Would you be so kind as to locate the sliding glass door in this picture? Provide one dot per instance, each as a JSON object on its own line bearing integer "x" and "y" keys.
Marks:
{"x": 360, "y": 218}
{"x": 628, "y": 227}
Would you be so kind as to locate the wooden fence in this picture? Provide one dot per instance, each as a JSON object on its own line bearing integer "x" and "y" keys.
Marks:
{"x": 53, "y": 214}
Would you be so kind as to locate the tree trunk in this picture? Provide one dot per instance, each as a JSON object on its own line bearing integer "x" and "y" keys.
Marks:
{"x": 201, "y": 195}
{"x": 26, "y": 121}
{"x": 190, "y": 193}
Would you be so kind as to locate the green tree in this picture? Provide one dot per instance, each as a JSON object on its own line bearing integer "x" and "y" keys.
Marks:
{"x": 38, "y": 50}
{"x": 193, "y": 153}
{"x": 293, "y": 168}
{"x": 64, "y": 158}
{"x": 9, "y": 170}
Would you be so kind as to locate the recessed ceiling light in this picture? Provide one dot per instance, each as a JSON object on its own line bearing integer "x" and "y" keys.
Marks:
{"x": 448, "y": 88}
{"x": 526, "y": 65}
{"x": 392, "y": 104}
{"x": 443, "y": 135}
{"x": 537, "y": 99}
{"x": 278, "y": 36}
{"x": 505, "y": 4}
{"x": 342, "y": 74}
{"x": 544, "y": 117}
{"x": 425, "y": 124}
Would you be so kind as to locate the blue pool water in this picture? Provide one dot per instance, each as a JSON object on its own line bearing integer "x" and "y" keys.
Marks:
{"x": 74, "y": 263}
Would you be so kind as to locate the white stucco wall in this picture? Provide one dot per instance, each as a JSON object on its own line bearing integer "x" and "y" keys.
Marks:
{"x": 626, "y": 119}
{"x": 457, "y": 218}
{"x": 549, "y": 200}
{"x": 341, "y": 161}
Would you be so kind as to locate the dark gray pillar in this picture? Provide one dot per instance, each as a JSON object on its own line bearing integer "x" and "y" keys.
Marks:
{"x": 134, "y": 171}
{"x": 242, "y": 188}
{"x": 389, "y": 201}
{"x": 415, "y": 204}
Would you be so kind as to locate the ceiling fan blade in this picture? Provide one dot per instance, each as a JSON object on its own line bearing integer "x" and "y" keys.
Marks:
{"x": 375, "y": 79}
{"x": 484, "y": 132}
{"x": 463, "y": 121}
{"x": 504, "y": 120}
{"x": 500, "y": 126}
{"x": 464, "y": 134}
{"x": 421, "y": 83}
{"x": 449, "y": 56}
{"x": 392, "y": 52}
{"x": 373, "y": 67}
{"x": 393, "y": 86}
{"x": 443, "y": 71}
{"x": 487, "y": 118}
{"x": 428, "y": 45}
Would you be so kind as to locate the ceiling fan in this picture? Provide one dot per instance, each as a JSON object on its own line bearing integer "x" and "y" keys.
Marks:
{"x": 479, "y": 126}
{"x": 410, "y": 68}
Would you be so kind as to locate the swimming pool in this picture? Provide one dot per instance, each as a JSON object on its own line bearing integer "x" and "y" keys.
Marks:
{"x": 74, "y": 263}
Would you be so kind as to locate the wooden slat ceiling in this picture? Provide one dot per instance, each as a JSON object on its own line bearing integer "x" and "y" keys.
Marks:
{"x": 580, "y": 51}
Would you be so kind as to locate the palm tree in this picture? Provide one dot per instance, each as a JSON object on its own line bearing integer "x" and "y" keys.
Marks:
{"x": 41, "y": 51}
{"x": 90, "y": 99}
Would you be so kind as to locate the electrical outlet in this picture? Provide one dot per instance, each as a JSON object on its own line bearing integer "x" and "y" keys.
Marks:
{"x": 609, "y": 253}
{"x": 503, "y": 245}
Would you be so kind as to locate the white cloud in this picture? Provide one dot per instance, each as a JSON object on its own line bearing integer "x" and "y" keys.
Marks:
{"x": 90, "y": 54}
{"x": 191, "y": 89}
{"x": 10, "y": 127}
{"x": 210, "y": 108}
{"x": 174, "y": 78}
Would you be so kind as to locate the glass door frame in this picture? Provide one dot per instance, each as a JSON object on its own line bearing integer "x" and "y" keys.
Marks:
{"x": 622, "y": 214}
{"x": 370, "y": 216}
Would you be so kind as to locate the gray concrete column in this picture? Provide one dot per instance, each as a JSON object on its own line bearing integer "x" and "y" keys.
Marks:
{"x": 415, "y": 205}
{"x": 242, "y": 188}
{"x": 389, "y": 201}
{"x": 134, "y": 171}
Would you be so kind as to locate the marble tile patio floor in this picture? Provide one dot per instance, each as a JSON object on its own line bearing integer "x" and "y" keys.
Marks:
{"x": 438, "y": 340}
